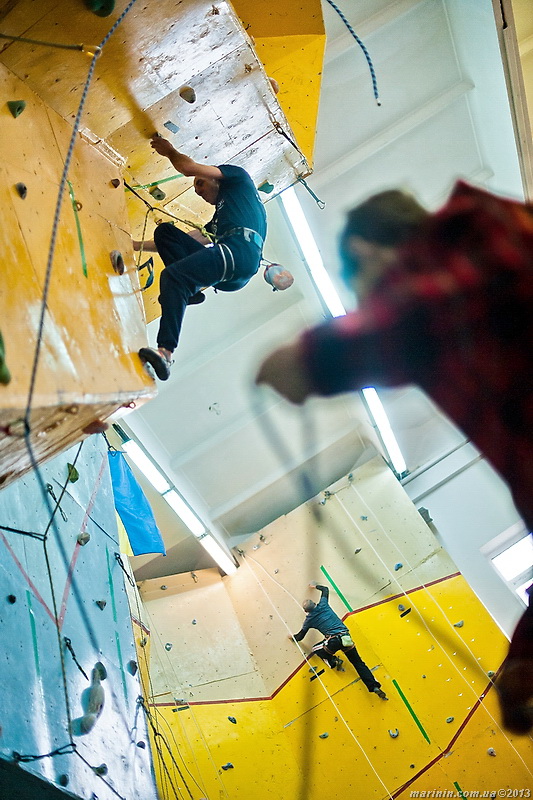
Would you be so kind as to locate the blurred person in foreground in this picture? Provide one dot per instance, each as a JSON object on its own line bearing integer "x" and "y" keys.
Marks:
{"x": 446, "y": 302}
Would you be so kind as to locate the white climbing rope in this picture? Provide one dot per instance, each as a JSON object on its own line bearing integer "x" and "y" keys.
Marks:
{"x": 305, "y": 657}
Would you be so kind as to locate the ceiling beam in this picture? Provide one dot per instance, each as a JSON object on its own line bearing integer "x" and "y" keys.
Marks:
{"x": 390, "y": 134}
{"x": 336, "y": 47}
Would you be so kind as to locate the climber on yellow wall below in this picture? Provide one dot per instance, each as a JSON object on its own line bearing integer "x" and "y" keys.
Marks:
{"x": 238, "y": 229}
{"x": 322, "y": 617}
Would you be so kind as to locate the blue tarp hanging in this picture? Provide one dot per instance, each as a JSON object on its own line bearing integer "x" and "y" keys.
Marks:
{"x": 133, "y": 508}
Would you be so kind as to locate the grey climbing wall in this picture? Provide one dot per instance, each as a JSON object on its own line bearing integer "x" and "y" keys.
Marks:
{"x": 70, "y": 722}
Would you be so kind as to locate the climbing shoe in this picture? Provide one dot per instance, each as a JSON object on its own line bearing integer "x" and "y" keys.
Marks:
{"x": 338, "y": 664}
{"x": 380, "y": 693}
{"x": 196, "y": 299}
{"x": 157, "y": 360}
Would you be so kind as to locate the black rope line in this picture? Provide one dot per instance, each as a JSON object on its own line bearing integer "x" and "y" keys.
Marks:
{"x": 61, "y": 493}
{"x": 141, "y": 699}
{"x": 102, "y": 778}
{"x": 120, "y": 562}
{"x": 109, "y": 536}
{"x": 280, "y": 130}
{"x": 201, "y": 788}
{"x": 30, "y": 534}
{"x": 363, "y": 48}
{"x": 59, "y": 751}
{"x": 82, "y": 47}
{"x": 68, "y": 645}
{"x": 158, "y": 735}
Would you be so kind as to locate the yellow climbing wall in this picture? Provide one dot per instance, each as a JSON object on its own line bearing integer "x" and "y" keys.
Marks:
{"x": 94, "y": 322}
{"x": 290, "y": 40}
{"x": 241, "y": 694}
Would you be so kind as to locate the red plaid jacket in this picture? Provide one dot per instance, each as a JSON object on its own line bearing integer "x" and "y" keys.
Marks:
{"x": 455, "y": 316}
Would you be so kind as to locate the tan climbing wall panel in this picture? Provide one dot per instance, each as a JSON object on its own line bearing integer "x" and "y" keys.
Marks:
{"x": 196, "y": 616}
{"x": 94, "y": 325}
{"x": 363, "y": 514}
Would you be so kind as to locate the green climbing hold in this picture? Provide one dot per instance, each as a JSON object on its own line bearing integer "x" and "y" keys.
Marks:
{"x": 16, "y": 107}
{"x": 266, "y": 187}
{"x": 5, "y": 375}
{"x": 73, "y": 474}
{"x": 102, "y": 8}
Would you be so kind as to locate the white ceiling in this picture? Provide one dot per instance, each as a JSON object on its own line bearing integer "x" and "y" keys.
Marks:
{"x": 444, "y": 115}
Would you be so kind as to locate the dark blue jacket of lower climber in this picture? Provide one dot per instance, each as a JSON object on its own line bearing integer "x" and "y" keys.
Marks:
{"x": 323, "y": 618}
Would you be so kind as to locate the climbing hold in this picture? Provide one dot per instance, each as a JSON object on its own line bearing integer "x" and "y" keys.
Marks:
{"x": 276, "y": 571}
{"x": 101, "y": 604}
{"x": 491, "y": 674}
{"x": 171, "y": 126}
{"x": 142, "y": 745}
{"x": 404, "y": 613}
{"x": 188, "y": 94}
{"x": 163, "y": 587}
{"x": 11, "y": 598}
{"x": 102, "y": 8}
{"x": 401, "y": 607}
{"x": 266, "y": 187}
{"x": 115, "y": 183}
{"x": 449, "y": 719}
{"x": 22, "y": 190}
{"x": 194, "y": 622}
{"x": 101, "y": 769}
{"x": 132, "y": 667}
{"x": 356, "y": 552}
{"x": 458, "y": 624}
{"x": 229, "y": 765}
{"x": 398, "y": 566}
{"x": 364, "y": 518}
{"x": 85, "y": 723}
{"x": 168, "y": 646}
{"x": 96, "y": 426}
{"x": 5, "y": 375}
{"x": 491, "y": 751}
{"x": 323, "y": 735}
{"x": 157, "y": 193}
{"x": 143, "y": 642}
{"x": 423, "y": 676}
{"x": 117, "y": 261}
{"x": 72, "y": 473}
{"x": 63, "y": 780}
{"x": 412, "y": 766}
{"x": 275, "y": 85}
{"x": 232, "y": 719}
{"x": 256, "y": 547}
{"x": 248, "y": 68}
{"x": 394, "y": 734}
{"x": 16, "y": 107}
{"x": 83, "y": 538}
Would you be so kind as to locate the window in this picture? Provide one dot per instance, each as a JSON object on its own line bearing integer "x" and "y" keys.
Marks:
{"x": 511, "y": 554}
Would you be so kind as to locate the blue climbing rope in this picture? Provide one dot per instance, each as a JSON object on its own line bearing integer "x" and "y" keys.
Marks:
{"x": 363, "y": 48}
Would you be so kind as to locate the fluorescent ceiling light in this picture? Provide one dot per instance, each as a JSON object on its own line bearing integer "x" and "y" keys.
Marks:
{"x": 218, "y": 554}
{"x": 311, "y": 253}
{"x": 387, "y": 436}
{"x": 183, "y": 511}
{"x": 146, "y": 465}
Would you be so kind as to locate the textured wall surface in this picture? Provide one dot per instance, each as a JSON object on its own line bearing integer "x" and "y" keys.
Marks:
{"x": 57, "y": 589}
